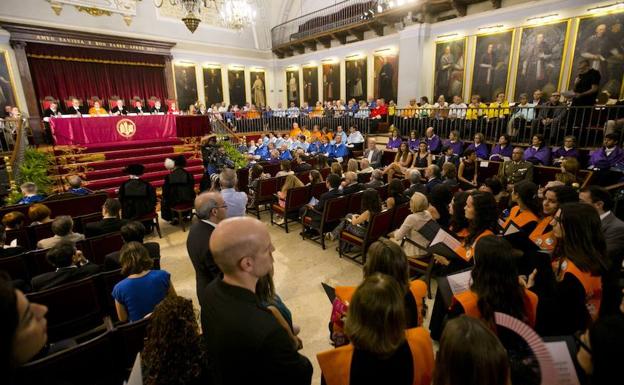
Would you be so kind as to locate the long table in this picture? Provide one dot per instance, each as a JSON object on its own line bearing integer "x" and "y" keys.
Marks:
{"x": 109, "y": 129}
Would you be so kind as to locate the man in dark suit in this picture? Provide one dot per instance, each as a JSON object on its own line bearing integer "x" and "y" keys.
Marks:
{"x": 211, "y": 209}
{"x": 70, "y": 266}
{"x": 373, "y": 154}
{"x": 447, "y": 156}
{"x": 433, "y": 176}
{"x": 158, "y": 109}
{"x": 236, "y": 328}
{"x": 52, "y": 110}
{"x": 415, "y": 184}
{"x": 138, "y": 108}
{"x": 119, "y": 108}
{"x": 133, "y": 232}
{"x": 110, "y": 222}
{"x": 351, "y": 184}
{"x": 376, "y": 180}
{"x": 314, "y": 211}
{"x": 75, "y": 108}
{"x": 613, "y": 231}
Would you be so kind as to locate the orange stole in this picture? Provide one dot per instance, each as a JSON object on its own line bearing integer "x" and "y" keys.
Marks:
{"x": 591, "y": 284}
{"x": 417, "y": 287}
{"x": 466, "y": 253}
{"x": 468, "y": 299}
{"x": 336, "y": 364}
{"x": 519, "y": 218}
{"x": 545, "y": 240}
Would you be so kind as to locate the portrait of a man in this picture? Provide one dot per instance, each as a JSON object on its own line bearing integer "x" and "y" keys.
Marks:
{"x": 356, "y": 79}
{"x": 7, "y": 97}
{"x": 541, "y": 58}
{"x": 292, "y": 87}
{"x": 386, "y": 76}
{"x": 449, "y": 68}
{"x": 213, "y": 86}
{"x": 310, "y": 85}
{"x": 258, "y": 89}
{"x": 236, "y": 78}
{"x": 186, "y": 86}
{"x": 491, "y": 66}
{"x": 331, "y": 81}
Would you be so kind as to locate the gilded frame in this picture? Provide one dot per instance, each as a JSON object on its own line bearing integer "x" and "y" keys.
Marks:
{"x": 435, "y": 65}
{"x": 179, "y": 103}
{"x": 511, "y": 58}
{"x": 9, "y": 69}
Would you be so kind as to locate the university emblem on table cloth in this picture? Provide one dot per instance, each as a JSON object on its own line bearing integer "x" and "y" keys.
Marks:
{"x": 126, "y": 128}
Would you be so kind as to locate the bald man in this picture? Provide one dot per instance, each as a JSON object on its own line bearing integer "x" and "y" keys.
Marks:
{"x": 211, "y": 209}
{"x": 245, "y": 343}
{"x": 75, "y": 186}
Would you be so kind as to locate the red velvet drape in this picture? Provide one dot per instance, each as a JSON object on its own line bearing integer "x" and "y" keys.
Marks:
{"x": 64, "y": 78}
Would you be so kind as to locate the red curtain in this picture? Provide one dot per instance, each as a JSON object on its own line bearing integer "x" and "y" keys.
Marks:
{"x": 141, "y": 75}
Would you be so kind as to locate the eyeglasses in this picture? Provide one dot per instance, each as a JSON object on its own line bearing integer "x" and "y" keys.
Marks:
{"x": 221, "y": 207}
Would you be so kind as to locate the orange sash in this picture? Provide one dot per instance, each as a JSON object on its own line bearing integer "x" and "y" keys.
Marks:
{"x": 468, "y": 299}
{"x": 336, "y": 364}
{"x": 519, "y": 218}
{"x": 592, "y": 285}
{"x": 466, "y": 253}
{"x": 544, "y": 239}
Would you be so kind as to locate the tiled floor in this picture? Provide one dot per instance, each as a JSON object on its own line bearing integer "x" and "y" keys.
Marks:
{"x": 300, "y": 267}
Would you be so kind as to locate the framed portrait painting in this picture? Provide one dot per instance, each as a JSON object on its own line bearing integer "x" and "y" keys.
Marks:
{"x": 213, "y": 86}
{"x": 258, "y": 89}
{"x": 292, "y": 87}
{"x": 310, "y": 85}
{"x": 331, "y": 81}
{"x": 449, "y": 68}
{"x": 386, "y": 77}
{"x": 492, "y": 60}
{"x": 236, "y": 80}
{"x": 600, "y": 40}
{"x": 540, "y": 59}
{"x": 7, "y": 86}
{"x": 186, "y": 85}
{"x": 356, "y": 79}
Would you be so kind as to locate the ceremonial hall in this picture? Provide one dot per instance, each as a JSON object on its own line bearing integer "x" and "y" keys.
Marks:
{"x": 297, "y": 192}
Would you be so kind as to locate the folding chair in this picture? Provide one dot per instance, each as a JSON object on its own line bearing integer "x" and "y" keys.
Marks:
{"x": 104, "y": 244}
{"x": 265, "y": 194}
{"x": 377, "y": 227}
{"x": 296, "y": 198}
{"x": 334, "y": 210}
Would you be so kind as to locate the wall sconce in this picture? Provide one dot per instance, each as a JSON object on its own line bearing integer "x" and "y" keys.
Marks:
{"x": 608, "y": 8}
{"x": 491, "y": 28}
{"x": 543, "y": 19}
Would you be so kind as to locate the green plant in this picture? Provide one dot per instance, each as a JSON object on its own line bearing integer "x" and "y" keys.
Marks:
{"x": 236, "y": 157}
{"x": 34, "y": 168}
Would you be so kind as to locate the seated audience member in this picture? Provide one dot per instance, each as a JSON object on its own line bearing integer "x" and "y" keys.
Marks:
{"x": 433, "y": 176}
{"x": 119, "y": 108}
{"x": 372, "y": 154}
{"x": 434, "y": 144}
{"x": 23, "y": 330}
{"x": 447, "y": 156}
{"x": 75, "y": 108}
{"x": 300, "y": 163}
{"x": 538, "y": 153}
{"x": 338, "y": 150}
{"x": 137, "y": 197}
{"x": 39, "y": 214}
{"x": 554, "y": 197}
{"x": 355, "y": 138}
{"x": 458, "y": 223}
{"x": 291, "y": 181}
{"x": 441, "y": 108}
{"x": 396, "y": 196}
{"x": 13, "y": 220}
{"x": 357, "y": 224}
{"x": 382, "y": 351}
{"x": 569, "y": 172}
{"x": 385, "y": 257}
{"x": 479, "y": 146}
{"x": 395, "y": 140}
{"x": 350, "y": 184}
{"x": 600, "y": 348}
{"x": 552, "y": 114}
{"x": 236, "y": 201}
{"x": 524, "y": 215}
{"x": 133, "y": 232}
{"x": 110, "y": 222}
{"x": 424, "y": 108}
{"x": 494, "y": 286}
{"x": 503, "y": 150}
{"x": 579, "y": 261}
{"x": 457, "y": 109}
{"x": 284, "y": 152}
{"x": 476, "y": 109}
{"x": 515, "y": 170}
{"x": 75, "y": 186}
{"x": 523, "y": 114}
{"x": 97, "y": 109}
{"x": 30, "y": 195}
{"x": 173, "y": 352}
{"x": 470, "y": 354}
{"x": 314, "y": 211}
{"x": 449, "y": 175}
{"x": 137, "y": 295}
{"x": 70, "y": 266}
{"x": 365, "y": 167}
{"x": 255, "y": 175}
{"x": 336, "y": 168}
{"x": 62, "y": 229}
{"x": 416, "y": 185}
{"x": 402, "y": 161}
{"x": 608, "y": 156}
{"x": 453, "y": 142}
{"x": 499, "y": 108}
{"x": 230, "y": 307}
{"x": 376, "y": 179}
{"x": 468, "y": 170}
{"x": 568, "y": 150}
{"x": 419, "y": 216}
{"x": 423, "y": 157}
{"x": 412, "y": 142}
{"x": 285, "y": 169}
{"x": 315, "y": 178}
{"x": 178, "y": 189}
{"x": 139, "y": 109}
{"x": 158, "y": 108}
{"x": 494, "y": 186}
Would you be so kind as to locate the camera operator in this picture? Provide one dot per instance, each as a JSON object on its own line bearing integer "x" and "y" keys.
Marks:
{"x": 213, "y": 155}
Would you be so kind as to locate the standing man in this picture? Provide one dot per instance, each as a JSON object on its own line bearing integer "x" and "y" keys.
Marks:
{"x": 586, "y": 85}
{"x": 211, "y": 209}
{"x": 236, "y": 330}
{"x": 236, "y": 201}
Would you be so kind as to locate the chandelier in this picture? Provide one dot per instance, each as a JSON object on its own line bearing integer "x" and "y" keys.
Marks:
{"x": 234, "y": 14}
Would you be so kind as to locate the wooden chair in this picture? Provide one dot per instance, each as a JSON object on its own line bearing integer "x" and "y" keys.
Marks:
{"x": 355, "y": 203}
{"x": 73, "y": 308}
{"x": 59, "y": 196}
{"x": 37, "y": 262}
{"x": 242, "y": 176}
{"x": 151, "y": 217}
{"x": 383, "y": 192}
{"x": 106, "y": 282}
{"x": 129, "y": 340}
{"x": 104, "y": 244}
{"x": 265, "y": 194}
{"x": 80, "y": 222}
{"x": 296, "y": 198}
{"x": 422, "y": 265}
{"x": 378, "y": 227}
{"x": 16, "y": 267}
{"x": 39, "y": 232}
{"x": 318, "y": 189}
{"x": 334, "y": 210}
{"x": 400, "y": 213}
{"x": 22, "y": 237}
{"x": 181, "y": 210}
{"x": 364, "y": 177}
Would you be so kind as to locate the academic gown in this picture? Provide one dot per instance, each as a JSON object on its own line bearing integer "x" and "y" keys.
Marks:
{"x": 537, "y": 156}
{"x": 499, "y": 153}
{"x": 600, "y": 160}
{"x": 457, "y": 146}
{"x": 434, "y": 143}
{"x": 137, "y": 197}
{"x": 179, "y": 187}
{"x": 481, "y": 150}
{"x": 116, "y": 110}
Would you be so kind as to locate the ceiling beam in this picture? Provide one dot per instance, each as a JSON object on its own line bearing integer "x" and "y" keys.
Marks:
{"x": 496, "y": 4}
{"x": 460, "y": 7}
{"x": 325, "y": 41}
{"x": 358, "y": 34}
{"x": 310, "y": 44}
{"x": 340, "y": 36}
{"x": 300, "y": 48}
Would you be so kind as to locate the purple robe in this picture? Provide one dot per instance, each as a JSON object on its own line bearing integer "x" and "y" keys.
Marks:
{"x": 458, "y": 146}
{"x": 434, "y": 144}
{"x": 481, "y": 150}
{"x": 394, "y": 142}
{"x": 539, "y": 156}
{"x": 413, "y": 144}
{"x": 561, "y": 152}
{"x": 599, "y": 159}
{"x": 498, "y": 153}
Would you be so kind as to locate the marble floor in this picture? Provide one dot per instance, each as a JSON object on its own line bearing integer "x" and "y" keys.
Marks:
{"x": 300, "y": 267}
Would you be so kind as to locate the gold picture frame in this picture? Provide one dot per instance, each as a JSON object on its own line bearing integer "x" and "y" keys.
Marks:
{"x": 7, "y": 70}
{"x": 510, "y": 58}
{"x": 185, "y": 84}
{"x": 435, "y": 91}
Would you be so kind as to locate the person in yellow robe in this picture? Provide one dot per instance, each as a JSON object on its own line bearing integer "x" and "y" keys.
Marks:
{"x": 97, "y": 109}
{"x": 305, "y": 132}
{"x": 295, "y": 131}
{"x": 499, "y": 108}
{"x": 476, "y": 108}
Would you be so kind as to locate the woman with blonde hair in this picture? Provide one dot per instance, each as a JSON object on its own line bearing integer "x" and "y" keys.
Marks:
{"x": 352, "y": 165}
{"x": 336, "y": 168}
{"x": 413, "y": 223}
{"x": 569, "y": 171}
{"x": 291, "y": 181}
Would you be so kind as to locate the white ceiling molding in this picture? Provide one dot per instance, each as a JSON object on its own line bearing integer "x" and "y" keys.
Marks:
{"x": 126, "y": 8}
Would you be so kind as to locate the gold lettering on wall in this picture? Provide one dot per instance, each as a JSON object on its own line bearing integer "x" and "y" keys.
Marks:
{"x": 94, "y": 43}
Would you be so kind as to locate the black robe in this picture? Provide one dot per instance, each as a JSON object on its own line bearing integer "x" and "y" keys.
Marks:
{"x": 179, "y": 188}
{"x": 137, "y": 197}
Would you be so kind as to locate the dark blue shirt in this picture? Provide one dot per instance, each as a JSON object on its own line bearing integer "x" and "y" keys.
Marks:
{"x": 141, "y": 295}
{"x": 30, "y": 199}
{"x": 79, "y": 191}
